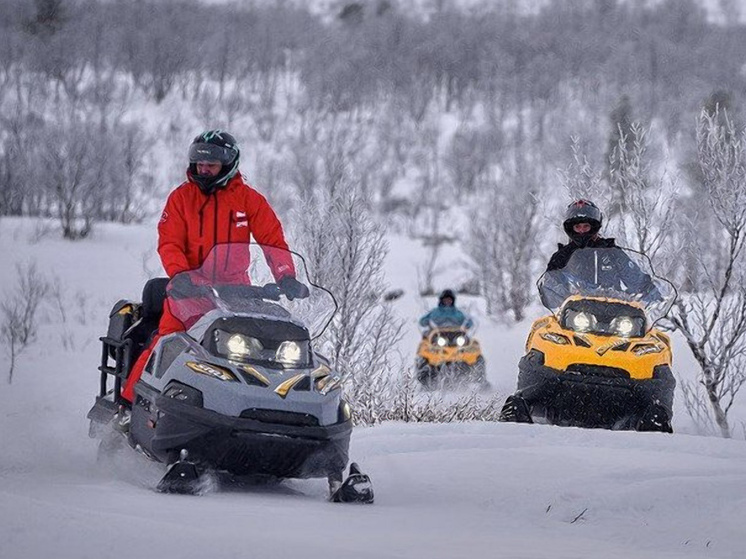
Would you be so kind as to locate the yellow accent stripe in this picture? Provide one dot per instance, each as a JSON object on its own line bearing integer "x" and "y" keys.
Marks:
{"x": 285, "y": 387}
{"x": 256, "y": 374}
{"x": 320, "y": 371}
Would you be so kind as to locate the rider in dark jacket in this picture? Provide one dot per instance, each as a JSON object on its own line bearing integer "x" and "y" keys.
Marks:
{"x": 583, "y": 221}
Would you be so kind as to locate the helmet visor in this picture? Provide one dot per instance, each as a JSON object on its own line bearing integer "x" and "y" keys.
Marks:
{"x": 210, "y": 152}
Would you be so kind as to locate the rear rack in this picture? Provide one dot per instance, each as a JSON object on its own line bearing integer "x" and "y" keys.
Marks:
{"x": 121, "y": 352}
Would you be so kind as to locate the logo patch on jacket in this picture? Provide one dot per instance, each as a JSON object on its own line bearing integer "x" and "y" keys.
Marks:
{"x": 164, "y": 216}
{"x": 241, "y": 220}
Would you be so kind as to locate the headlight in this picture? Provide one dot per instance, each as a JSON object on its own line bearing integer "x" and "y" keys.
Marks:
{"x": 237, "y": 346}
{"x": 289, "y": 353}
{"x": 623, "y": 325}
{"x": 211, "y": 371}
{"x": 583, "y": 322}
{"x": 461, "y": 341}
{"x": 441, "y": 341}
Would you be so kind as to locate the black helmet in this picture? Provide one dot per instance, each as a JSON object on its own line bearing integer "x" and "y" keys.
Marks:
{"x": 582, "y": 211}
{"x": 447, "y": 294}
{"x": 214, "y": 145}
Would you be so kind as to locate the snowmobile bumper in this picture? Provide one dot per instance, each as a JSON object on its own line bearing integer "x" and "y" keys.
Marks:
{"x": 265, "y": 444}
{"x": 592, "y": 396}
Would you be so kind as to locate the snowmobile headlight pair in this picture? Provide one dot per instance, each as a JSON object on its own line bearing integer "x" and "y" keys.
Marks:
{"x": 212, "y": 371}
{"x": 244, "y": 348}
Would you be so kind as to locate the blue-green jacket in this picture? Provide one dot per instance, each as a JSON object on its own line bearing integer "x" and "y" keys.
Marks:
{"x": 446, "y": 316}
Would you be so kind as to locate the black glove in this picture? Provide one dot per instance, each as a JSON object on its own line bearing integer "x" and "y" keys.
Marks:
{"x": 181, "y": 286}
{"x": 293, "y": 289}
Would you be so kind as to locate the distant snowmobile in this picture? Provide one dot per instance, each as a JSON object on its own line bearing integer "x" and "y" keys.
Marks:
{"x": 597, "y": 361}
{"x": 449, "y": 355}
{"x": 241, "y": 390}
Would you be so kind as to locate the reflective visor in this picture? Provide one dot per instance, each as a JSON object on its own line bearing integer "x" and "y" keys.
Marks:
{"x": 211, "y": 152}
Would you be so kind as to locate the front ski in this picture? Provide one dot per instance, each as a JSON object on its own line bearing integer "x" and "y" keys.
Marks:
{"x": 357, "y": 488}
{"x": 182, "y": 477}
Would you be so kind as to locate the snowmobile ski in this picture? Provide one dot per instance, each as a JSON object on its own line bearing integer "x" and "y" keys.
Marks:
{"x": 182, "y": 477}
{"x": 357, "y": 488}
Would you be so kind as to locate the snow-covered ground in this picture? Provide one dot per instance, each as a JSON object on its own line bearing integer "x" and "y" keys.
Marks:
{"x": 453, "y": 490}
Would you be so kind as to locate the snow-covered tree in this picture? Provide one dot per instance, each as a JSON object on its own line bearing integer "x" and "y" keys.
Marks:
{"x": 713, "y": 318}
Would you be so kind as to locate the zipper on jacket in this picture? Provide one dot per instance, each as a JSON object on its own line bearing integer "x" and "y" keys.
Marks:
{"x": 215, "y": 236}
{"x": 230, "y": 229}
{"x": 200, "y": 251}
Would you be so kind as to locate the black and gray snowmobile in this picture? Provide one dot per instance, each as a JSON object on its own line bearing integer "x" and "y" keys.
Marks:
{"x": 242, "y": 390}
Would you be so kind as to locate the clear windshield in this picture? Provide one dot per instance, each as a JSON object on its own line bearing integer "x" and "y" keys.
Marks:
{"x": 240, "y": 278}
{"x": 611, "y": 273}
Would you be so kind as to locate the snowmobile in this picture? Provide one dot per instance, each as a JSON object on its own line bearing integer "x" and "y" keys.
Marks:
{"x": 449, "y": 355}
{"x": 242, "y": 390}
{"x": 597, "y": 361}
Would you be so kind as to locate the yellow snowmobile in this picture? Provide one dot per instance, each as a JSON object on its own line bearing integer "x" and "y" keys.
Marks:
{"x": 597, "y": 361}
{"x": 449, "y": 355}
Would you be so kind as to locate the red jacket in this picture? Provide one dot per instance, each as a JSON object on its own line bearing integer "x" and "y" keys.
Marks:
{"x": 192, "y": 223}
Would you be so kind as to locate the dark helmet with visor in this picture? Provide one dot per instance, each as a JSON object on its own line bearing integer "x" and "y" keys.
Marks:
{"x": 214, "y": 146}
{"x": 583, "y": 211}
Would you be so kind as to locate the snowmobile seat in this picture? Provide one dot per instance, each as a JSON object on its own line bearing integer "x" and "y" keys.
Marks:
{"x": 151, "y": 309}
{"x": 125, "y": 346}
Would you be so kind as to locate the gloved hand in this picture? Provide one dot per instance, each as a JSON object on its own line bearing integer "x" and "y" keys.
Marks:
{"x": 293, "y": 289}
{"x": 181, "y": 286}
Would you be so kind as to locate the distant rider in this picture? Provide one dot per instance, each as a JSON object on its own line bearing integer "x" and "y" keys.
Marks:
{"x": 445, "y": 314}
{"x": 215, "y": 206}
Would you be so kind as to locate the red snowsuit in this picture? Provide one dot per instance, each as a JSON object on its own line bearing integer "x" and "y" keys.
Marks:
{"x": 192, "y": 223}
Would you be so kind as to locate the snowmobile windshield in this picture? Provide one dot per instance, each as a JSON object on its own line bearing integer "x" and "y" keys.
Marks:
{"x": 609, "y": 273}
{"x": 252, "y": 280}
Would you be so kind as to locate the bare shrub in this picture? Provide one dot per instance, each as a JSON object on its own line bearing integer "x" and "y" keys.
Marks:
{"x": 18, "y": 310}
{"x": 403, "y": 400}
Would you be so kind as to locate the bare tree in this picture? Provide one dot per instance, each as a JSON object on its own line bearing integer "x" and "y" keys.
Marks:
{"x": 469, "y": 157}
{"x": 19, "y": 313}
{"x": 502, "y": 241}
{"x": 69, "y": 155}
{"x": 581, "y": 180}
{"x": 346, "y": 251}
{"x": 646, "y": 205}
{"x": 713, "y": 320}
{"x": 431, "y": 205}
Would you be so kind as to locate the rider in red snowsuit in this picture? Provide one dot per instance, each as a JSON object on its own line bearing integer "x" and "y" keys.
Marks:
{"x": 212, "y": 207}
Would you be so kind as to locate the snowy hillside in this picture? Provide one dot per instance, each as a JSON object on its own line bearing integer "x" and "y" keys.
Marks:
{"x": 453, "y": 490}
